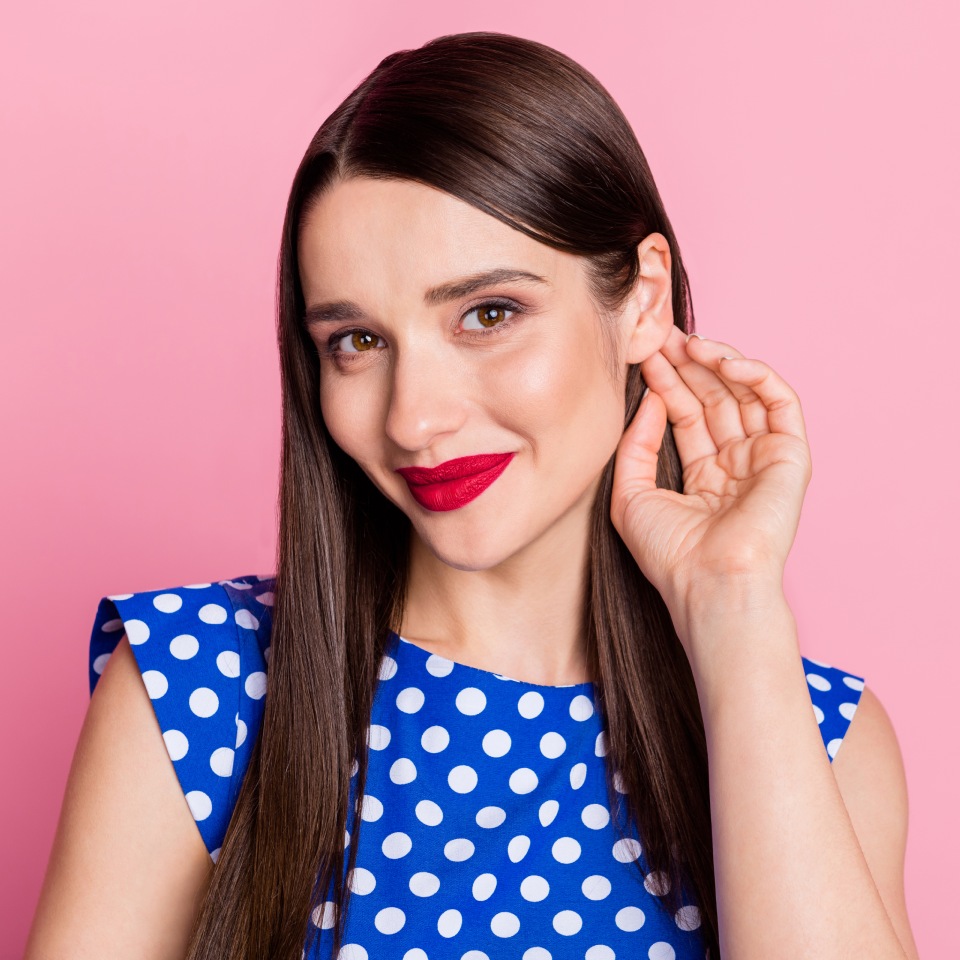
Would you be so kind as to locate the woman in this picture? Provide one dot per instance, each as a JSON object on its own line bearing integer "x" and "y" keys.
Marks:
{"x": 529, "y": 583}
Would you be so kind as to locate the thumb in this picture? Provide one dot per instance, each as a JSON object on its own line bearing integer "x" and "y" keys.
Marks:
{"x": 635, "y": 469}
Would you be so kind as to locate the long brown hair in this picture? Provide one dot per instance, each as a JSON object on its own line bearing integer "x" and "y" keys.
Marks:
{"x": 524, "y": 133}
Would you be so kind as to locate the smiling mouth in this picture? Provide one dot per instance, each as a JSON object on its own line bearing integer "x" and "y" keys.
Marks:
{"x": 455, "y": 483}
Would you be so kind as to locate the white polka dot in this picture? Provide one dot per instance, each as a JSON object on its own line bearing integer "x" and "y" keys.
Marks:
{"x": 449, "y": 923}
{"x": 833, "y": 746}
{"x": 496, "y": 743}
{"x": 352, "y": 951}
{"x": 534, "y": 888}
{"x": 236, "y": 584}
{"x": 458, "y": 849}
{"x": 184, "y": 646}
{"x": 256, "y": 685}
{"x": 199, "y": 804}
{"x": 371, "y": 809}
{"x": 354, "y": 767}
{"x": 389, "y": 920}
{"x": 847, "y": 710}
{"x": 595, "y": 816}
{"x": 228, "y": 661}
{"x": 517, "y": 848}
{"x": 484, "y": 886}
{"x": 435, "y": 739}
{"x": 618, "y": 783}
{"x": 469, "y": 955}
{"x": 661, "y": 950}
{"x": 241, "y": 731}
{"x": 346, "y": 839}
{"x": 378, "y": 736}
{"x": 523, "y": 780}
{"x": 548, "y": 812}
{"x": 438, "y": 666}
{"x": 388, "y": 667}
{"x": 462, "y": 778}
{"x": 627, "y": 849}
{"x": 578, "y": 774}
{"x": 818, "y": 682}
{"x": 121, "y": 596}
{"x": 552, "y": 745}
{"x": 212, "y": 613}
{"x": 424, "y": 884}
{"x": 688, "y": 917}
{"x": 167, "y": 602}
{"x": 600, "y": 744}
{"x": 536, "y": 953}
{"x": 417, "y": 954}
{"x": 630, "y": 918}
{"x": 396, "y": 845}
{"x": 177, "y": 744}
{"x": 403, "y": 771}
{"x": 100, "y": 662}
{"x": 204, "y": 702}
{"x": 266, "y": 654}
{"x": 818, "y": 713}
{"x": 428, "y": 813}
{"x": 471, "y": 701}
{"x": 854, "y": 683}
{"x": 221, "y": 762}
{"x": 596, "y": 887}
{"x": 599, "y": 952}
{"x": 215, "y": 854}
{"x": 246, "y": 620}
{"x": 489, "y": 817}
{"x": 566, "y": 850}
{"x": 530, "y": 705}
{"x": 325, "y": 915}
{"x": 112, "y": 626}
{"x": 265, "y": 598}
{"x": 817, "y": 663}
{"x": 567, "y": 923}
{"x": 581, "y": 707}
{"x": 361, "y": 881}
{"x": 196, "y": 586}
{"x": 657, "y": 883}
{"x": 505, "y": 924}
{"x": 156, "y": 684}
{"x": 137, "y": 631}
{"x": 410, "y": 699}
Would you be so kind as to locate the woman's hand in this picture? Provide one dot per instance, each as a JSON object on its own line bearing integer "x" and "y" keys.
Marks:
{"x": 740, "y": 434}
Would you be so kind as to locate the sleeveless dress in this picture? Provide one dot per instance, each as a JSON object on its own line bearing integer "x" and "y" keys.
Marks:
{"x": 487, "y": 828}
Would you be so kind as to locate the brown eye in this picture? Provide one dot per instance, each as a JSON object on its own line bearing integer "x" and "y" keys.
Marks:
{"x": 489, "y": 315}
{"x": 354, "y": 341}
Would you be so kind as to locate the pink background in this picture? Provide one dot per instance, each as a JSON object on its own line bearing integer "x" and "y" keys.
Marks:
{"x": 807, "y": 158}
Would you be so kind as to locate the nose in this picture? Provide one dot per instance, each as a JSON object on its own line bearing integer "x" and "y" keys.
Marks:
{"x": 427, "y": 398}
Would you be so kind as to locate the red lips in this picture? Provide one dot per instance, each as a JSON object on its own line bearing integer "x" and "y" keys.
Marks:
{"x": 455, "y": 482}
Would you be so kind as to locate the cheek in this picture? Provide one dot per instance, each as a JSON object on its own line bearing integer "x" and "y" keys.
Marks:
{"x": 349, "y": 418}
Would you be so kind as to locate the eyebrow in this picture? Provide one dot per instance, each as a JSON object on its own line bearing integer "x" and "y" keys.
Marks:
{"x": 339, "y": 310}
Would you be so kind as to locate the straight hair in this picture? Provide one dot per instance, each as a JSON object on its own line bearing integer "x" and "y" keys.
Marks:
{"x": 527, "y": 135}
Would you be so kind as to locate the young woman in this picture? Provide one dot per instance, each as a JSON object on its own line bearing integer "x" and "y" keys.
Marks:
{"x": 525, "y": 683}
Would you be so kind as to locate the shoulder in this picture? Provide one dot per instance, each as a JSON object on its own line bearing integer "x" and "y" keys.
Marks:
{"x": 202, "y": 651}
{"x": 872, "y": 782}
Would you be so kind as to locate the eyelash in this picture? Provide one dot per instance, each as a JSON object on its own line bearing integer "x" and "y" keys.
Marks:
{"x": 331, "y": 350}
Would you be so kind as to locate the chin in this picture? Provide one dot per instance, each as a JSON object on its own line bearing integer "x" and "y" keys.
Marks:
{"x": 471, "y": 553}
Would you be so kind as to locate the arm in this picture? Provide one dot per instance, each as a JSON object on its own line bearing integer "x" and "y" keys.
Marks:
{"x": 128, "y": 866}
{"x": 808, "y": 855}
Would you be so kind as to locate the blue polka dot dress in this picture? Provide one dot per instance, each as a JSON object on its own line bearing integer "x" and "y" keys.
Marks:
{"x": 487, "y": 830}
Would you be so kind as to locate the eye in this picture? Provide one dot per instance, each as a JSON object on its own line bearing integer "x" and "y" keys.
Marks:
{"x": 490, "y": 314}
{"x": 353, "y": 341}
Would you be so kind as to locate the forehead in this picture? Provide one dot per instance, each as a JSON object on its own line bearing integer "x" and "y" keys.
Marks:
{"x": 366, "y": 236}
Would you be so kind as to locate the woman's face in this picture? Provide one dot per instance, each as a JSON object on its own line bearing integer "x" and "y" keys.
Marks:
{"x": 413, "y": 379}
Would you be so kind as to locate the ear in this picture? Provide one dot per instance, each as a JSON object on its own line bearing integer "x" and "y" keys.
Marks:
{"x": 648, "y": 314}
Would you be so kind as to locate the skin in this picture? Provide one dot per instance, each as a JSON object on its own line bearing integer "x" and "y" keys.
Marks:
{"x": 498, "y": 583}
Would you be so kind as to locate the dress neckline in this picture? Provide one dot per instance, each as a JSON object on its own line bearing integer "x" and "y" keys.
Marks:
{"x": 399, "y": 643}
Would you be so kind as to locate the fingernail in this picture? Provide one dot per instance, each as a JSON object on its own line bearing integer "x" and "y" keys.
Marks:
{"x": 697, "y": 335}
{"x": 646, "y": 390}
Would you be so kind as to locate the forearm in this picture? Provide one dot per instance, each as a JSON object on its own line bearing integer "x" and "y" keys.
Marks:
{"x": 791, "y": 879}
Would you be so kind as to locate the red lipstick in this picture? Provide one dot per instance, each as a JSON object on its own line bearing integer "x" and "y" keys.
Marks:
{"x": 456, "y": 482}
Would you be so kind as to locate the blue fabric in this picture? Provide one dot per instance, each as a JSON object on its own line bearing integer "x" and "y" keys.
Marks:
{"x": 487, "y": 831}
